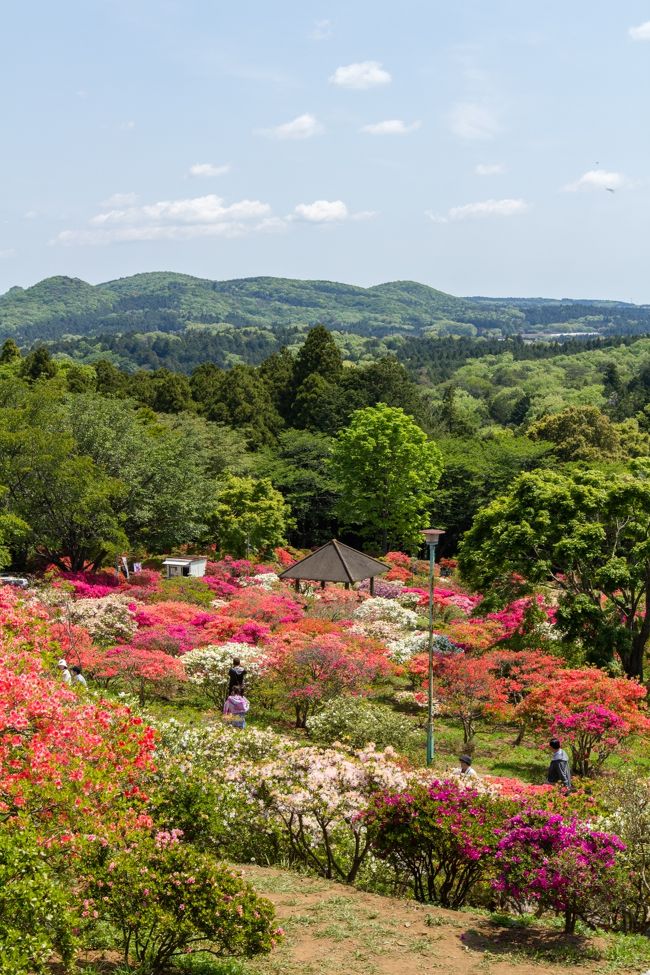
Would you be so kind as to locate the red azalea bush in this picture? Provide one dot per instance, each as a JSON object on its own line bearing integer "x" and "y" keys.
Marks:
{"x": 468, "y": 690}
{"x": 265, "y": 607}
{"x": 67, "y": 762}
{"x": 145, "y": 671}
{"x": 548, "y": 862}
{"x": 310, "y": 670}
{"x": 595, "y": 712}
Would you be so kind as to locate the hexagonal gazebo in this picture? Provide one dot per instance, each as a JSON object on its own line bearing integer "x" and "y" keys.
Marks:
{"x": 336, "y": 562}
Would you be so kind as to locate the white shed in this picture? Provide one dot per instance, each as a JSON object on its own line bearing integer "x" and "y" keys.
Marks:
{"x": 184, "y": 567}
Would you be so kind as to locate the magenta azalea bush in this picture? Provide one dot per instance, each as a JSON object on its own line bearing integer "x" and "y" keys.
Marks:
{"x": 551, "y": 863}
{"x": 441, "y": 839}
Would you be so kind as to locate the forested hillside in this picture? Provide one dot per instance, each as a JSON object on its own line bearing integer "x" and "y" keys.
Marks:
{"x": 178, "y": 321}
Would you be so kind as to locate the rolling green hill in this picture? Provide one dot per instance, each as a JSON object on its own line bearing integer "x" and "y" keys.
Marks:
{"x": 176, "y": 319}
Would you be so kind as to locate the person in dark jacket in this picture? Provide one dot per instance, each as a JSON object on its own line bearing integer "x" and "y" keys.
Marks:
{"x": 558, "y": 770}
{"x": 236, "y": 676}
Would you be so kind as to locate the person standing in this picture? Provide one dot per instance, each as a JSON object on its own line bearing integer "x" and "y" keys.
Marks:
{"x": 78, "y": 678}
{"x": 65, "y": 673}
{"x": 236, "y": 676}
{"x": 559, "y": 771}
{"x": 236, "y": 707}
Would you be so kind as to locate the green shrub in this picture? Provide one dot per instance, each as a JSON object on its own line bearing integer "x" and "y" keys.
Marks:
{"x": 166, "y": 898}
{"x": 185, "y": 589}
{"x": 35, "y": 911}
{"x": 356, "y": 722}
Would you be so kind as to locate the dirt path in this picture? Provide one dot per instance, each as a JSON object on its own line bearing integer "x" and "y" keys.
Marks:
{"x": 336, "y": 930}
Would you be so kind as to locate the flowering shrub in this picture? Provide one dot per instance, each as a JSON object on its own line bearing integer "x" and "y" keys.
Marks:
{"x": 109, "y": 619}
{"x": 263, "y": 580}
{"x": 414, "y": 699}
{"x": 310, "y": 670}
{"x": 382, "y": 589}
{"x": 441, "y": 836}
{"x": 142, "y": 670}
{"x": 387, "y": 611}
{"x": 166, "y": 899}
{"x": 317, "y": 797}
{"x": 207, "y": 667}
{"x": 356, "y": 722}
{"x": 593, "y": 735}
{"x": 400, "y": 651}
{"x": 468, "y": 691}
{"x": 557, "y": 864}
{"x": 597, "y": 713}
{"x": 63, "y": 761}
{"x": 256, "y": 604}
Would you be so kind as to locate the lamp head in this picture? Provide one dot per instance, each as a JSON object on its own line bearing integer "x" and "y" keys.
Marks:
{"x": 432, "y": 535}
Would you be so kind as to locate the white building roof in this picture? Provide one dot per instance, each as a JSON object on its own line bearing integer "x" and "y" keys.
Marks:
{"x": 183, "y": 561}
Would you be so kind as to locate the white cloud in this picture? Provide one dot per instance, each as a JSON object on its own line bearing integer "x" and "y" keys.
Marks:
{"x": 640, "y": 33}
{"x": 328, "y": 212}
{"x": 7, "y": 252}
{"x": 322, "y": 211}
{"x": 489, "y": 169}
{"x": 209, "y": 169}
{"x": 391, "y": 126}
{"x": 364, "y": 74}
{"x": 119, "y": 200}
{"x": 201, "y": 216}
{"x": 301, "y": 127}
{"x": 128, "y": 125}
{"x": 471, "y": 120}
{"x": 484, "y": 208}
{"x": 322, "y": 30}
{"x": 597, "y": 179}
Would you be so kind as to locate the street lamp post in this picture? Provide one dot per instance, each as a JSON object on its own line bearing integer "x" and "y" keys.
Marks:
{"x": 431, "y": 537}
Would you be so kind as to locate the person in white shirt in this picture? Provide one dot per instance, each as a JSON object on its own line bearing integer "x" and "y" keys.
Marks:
{"x": 466, "y": 769}
{"x": 78, "y": 677}
{"x": 65, "y": 673}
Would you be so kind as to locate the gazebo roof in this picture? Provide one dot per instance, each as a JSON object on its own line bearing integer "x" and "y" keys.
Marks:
{"x": 335, "y": 562}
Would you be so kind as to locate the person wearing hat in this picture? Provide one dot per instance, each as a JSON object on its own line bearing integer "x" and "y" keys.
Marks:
{"x": 65, "y": 673}
{"x": 466, "y": 767}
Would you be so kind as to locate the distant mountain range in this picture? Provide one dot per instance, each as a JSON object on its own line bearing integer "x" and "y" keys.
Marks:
{"x": 246, "y": 318}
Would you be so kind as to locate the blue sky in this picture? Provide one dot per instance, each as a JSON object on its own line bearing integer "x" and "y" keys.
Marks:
{"x": 469, "y": 145}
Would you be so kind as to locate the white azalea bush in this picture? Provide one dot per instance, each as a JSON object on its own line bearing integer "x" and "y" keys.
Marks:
{"x": 208, "y": 667}
{"x": 400, "y": 651}
{"x": 387, "y": 611}
{"x": 260, "y": 796}
{"x": 264, "y": 580}
{"x": 109, "y": 620}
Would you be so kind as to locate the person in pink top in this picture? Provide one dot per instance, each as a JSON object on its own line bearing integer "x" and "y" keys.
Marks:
{"x": 236, "y": 707}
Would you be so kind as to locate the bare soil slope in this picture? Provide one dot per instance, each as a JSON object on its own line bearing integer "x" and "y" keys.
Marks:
{"x": 334, "y": 929}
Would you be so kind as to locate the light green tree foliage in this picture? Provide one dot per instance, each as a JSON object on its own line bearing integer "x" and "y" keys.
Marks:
{"x": 588, "y": 532}
{"x": 250, "y": 516}
{"x": 93, "y": 476}
{"x": 387, "y": 470}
